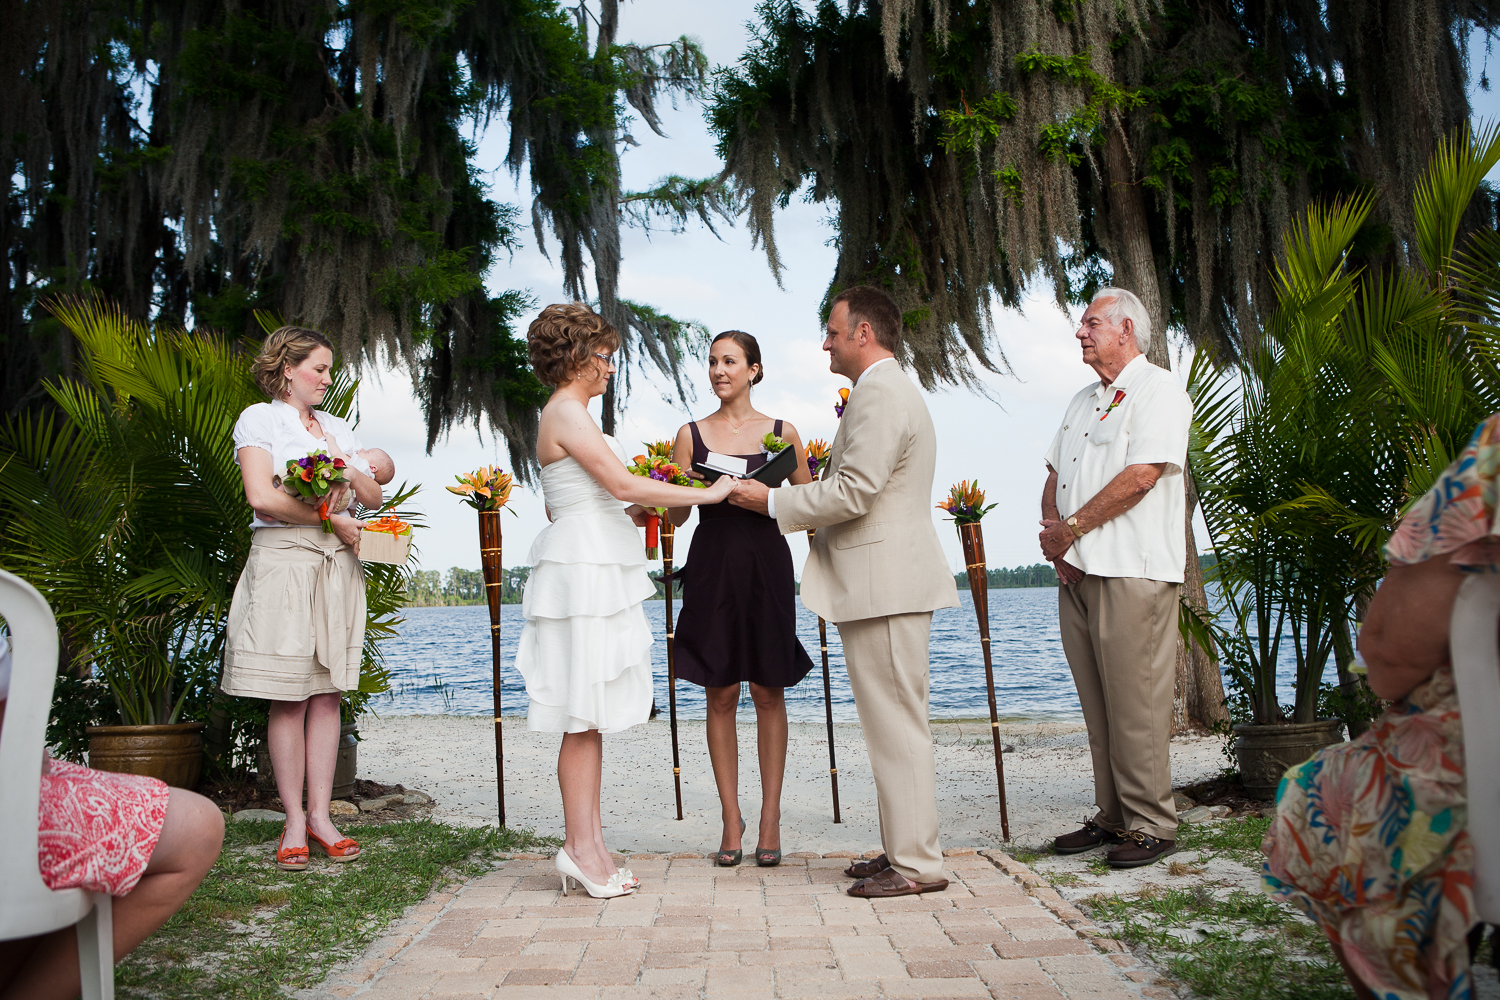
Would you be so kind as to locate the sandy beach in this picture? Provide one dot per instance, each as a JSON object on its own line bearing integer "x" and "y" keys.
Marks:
{"x": 1048, "y": 780}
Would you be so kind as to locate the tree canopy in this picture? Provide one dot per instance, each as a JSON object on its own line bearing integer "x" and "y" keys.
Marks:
{"x": 200, "y": 160}
{"x": 970, "y": 147}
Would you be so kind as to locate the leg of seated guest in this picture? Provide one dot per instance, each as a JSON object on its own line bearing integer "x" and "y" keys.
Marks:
{"x": 189, "y": 845}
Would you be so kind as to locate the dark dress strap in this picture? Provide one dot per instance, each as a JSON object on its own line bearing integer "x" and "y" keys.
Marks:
{"x": 777, "y": 431}
{"x": 700, "y": 450}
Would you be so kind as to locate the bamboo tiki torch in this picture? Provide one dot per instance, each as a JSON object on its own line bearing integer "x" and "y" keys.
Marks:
{"x": 972, "y": 537}
{"x": 833, "y": 767}
{"x": 487, "y": 490}
{"x": 667, "y": 534}
{"x": 494, "y": 579}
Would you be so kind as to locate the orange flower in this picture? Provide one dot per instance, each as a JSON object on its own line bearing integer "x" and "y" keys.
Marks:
{"x": 486, "y": 488}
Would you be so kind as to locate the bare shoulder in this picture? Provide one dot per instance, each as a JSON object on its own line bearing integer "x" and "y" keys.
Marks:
{"x": 789, "y": 431}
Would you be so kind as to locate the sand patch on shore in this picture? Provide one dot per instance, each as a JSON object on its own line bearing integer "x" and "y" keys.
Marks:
{"x": 1049, "y": 780}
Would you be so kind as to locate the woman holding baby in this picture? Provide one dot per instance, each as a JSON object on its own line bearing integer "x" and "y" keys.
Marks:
{"x": 297, "y": 622}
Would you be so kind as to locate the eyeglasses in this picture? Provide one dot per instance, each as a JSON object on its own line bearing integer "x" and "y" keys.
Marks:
{"x": 608, "y": 359}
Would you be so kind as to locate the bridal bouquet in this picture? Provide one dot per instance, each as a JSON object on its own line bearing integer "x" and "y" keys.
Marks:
{"x": 657, "y": 464}
{"x": 966, "y": 503}
{"x": 310, "y": 478}
{"x": 817, "y": 456}
{"x": 486, "y": 488}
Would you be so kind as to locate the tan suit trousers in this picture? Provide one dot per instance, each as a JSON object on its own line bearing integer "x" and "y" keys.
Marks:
{"x": 887, "y": 662}
{"x": 1120, "y": 637}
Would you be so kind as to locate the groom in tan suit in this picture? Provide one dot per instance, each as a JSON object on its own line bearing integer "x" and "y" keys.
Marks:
{"x": 875, "y": 569}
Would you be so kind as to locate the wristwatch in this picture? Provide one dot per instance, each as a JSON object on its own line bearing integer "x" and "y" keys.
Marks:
{"x": 1072, "y": 524}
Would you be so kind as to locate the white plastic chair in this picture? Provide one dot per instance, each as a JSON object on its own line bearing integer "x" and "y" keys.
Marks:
{"x": 27, "y": 906}
{"x": 1474, "y": 640}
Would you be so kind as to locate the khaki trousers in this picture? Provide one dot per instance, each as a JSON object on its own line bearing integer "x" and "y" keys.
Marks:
{"x": 1120, "y": 637}
{"x": 887, "y": 663}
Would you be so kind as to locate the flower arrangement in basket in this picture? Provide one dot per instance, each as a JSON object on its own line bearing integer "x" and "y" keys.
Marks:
{"x": 310, "y": 479}
{"x": 817, "y": 456}
{"x": 486, "y": 488}
{"x": 657, "y": 464}
{"x": 965, "y": 503}
{"x": 387, "y": 540}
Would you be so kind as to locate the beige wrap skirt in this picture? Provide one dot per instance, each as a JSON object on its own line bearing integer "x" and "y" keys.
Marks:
{"x": 297, "y": 622}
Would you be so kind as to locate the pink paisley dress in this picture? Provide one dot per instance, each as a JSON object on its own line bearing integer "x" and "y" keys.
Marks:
{"x": 1370, "y": 837}
{"x": 97, "y": 828}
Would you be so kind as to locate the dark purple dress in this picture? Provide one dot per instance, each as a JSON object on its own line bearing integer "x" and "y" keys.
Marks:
{"x": 739, "y": 613}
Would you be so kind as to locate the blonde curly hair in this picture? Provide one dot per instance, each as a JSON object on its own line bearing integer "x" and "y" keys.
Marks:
{"x": 287, "y": 346}
{"x": 564, "y": 338}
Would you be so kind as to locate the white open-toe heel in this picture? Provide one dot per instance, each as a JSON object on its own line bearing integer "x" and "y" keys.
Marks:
{"x": 568, "y": 870}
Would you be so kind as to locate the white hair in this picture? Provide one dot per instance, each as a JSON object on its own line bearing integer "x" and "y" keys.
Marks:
{"x": 1125, "y": 305}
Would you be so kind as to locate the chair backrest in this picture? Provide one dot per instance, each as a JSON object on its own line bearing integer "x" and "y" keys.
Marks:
{"x": 1475, "y": 644}
{"x": 27, "y": 906}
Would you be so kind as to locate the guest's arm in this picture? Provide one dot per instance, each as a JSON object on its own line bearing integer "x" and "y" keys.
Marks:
{"x": 256, "y": 474}
{"x": 1120, "y": 494}
{"x": 1405, "y": 634}
{"x": 1066, "y": 571}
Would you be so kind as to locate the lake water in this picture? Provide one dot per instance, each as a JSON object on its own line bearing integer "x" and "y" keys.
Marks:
{"x": 441, "y": 664}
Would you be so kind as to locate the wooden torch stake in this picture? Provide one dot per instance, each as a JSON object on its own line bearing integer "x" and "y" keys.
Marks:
{"x": 972, "y": 536}
{"x": 833, "y": 767}
{"x": 494, "y": 579}
{"x": 666, "y": 576}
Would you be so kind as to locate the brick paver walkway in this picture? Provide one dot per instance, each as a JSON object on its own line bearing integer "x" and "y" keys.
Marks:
{"x": 747, "y": 933}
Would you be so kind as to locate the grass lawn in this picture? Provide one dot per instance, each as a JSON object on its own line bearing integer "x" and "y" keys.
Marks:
{"x": 1218, "y": 941}
{"x": 254, "y": 931}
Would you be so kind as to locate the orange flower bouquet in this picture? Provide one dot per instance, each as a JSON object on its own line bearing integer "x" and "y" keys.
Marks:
{"x": 657, "y": 464}
{"x": 817, "y": 456}
{"x": 486, "y": 488}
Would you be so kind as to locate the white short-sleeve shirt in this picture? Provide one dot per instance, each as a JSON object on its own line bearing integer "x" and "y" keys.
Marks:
{"x": 1098, "y": 438}
{"x": 276, "y": 428}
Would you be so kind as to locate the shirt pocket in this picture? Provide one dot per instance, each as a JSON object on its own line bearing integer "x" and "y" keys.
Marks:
{"x": 862, "y": 535}
{"x": 1107, "y": 424}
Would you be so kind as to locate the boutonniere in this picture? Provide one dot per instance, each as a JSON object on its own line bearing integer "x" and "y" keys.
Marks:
{"x": 838, "y": 408}
{"x": 1119, "y": 398}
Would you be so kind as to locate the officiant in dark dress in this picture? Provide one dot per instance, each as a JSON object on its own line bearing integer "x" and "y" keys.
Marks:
{"x": 739, "y": 614}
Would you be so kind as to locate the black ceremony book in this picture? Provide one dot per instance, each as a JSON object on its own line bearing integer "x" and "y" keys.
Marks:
{"x": 773, "y": 473}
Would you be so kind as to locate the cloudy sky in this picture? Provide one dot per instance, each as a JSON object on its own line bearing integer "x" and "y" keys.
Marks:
{"x": 726, "y": 285}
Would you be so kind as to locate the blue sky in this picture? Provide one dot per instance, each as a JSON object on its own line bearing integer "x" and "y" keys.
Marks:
{"x": 726, "y": 285}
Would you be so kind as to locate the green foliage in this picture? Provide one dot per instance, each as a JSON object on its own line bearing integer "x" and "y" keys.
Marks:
{"x": 433, "y": 589}
{"x": 128, "y": 512}
{"x": 1036, "y": 575}
{"x": 1362, "y": 388}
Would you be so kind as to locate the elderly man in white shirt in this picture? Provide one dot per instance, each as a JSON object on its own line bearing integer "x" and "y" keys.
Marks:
{"x": 1112, "y": 525}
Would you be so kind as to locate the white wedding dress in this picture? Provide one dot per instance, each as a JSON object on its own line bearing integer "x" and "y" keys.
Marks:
{"x": 585, "y": 649}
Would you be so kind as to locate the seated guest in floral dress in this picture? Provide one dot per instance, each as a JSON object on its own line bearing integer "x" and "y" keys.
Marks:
{"x": 134, "y": 838}
{"x": 1370, "y": 837}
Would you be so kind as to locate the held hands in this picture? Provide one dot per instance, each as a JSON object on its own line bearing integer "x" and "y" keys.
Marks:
{"x": 1056, "y": 538}
{"x": 719, "y": 489}
{"x": 750, "y": 494}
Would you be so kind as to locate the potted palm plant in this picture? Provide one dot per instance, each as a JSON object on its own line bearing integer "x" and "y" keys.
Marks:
{"x": 1309, "y": 445}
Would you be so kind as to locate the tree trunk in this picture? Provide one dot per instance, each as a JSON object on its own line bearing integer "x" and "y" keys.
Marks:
{"x": 1198, "y": 691}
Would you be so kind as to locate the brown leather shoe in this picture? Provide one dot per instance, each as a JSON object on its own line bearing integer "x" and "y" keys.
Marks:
{"x": 892, "y": 883}
{"x": 1140, "y": 849}
{"x": 1086, "y": 839}
{"x": 868, "y": 869}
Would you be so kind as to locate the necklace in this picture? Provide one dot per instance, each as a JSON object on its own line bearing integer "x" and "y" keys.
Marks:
{"x": 742, "y": 423}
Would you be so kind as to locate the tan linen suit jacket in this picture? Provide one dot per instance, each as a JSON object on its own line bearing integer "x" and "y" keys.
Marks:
{"x": 876, "y": 552}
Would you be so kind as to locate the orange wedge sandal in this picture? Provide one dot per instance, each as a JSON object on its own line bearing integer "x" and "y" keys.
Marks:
{"x": 292, "y": 859}
{"x": 345, "y": 850}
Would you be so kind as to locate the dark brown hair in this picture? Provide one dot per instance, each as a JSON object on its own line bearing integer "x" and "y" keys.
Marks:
{"x": 873, "y": 306}
{"x": 288, "y": 345}
{"x": 563, "y": 338}
{"x": 749, "y": 345}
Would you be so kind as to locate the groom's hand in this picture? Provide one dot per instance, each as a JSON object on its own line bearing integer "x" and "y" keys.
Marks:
{"x": 750, "y": 494}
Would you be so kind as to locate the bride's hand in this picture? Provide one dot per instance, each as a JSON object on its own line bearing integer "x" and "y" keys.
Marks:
{"x": 638, "y": 514}
{"x": 719, "y": 489}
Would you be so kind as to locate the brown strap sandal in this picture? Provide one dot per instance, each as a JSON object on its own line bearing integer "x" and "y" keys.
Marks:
{"x": 892, "y": 883}
{"x": 868, "y": 869}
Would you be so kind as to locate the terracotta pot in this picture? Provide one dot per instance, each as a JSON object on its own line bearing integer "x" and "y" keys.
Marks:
{"x": 343, "y": 769}
{"x": 1266, "y": 751}
{"x": 172, "y": 753}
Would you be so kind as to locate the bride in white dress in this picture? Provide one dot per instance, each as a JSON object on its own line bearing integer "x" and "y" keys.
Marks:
{"x": 585, "y": 649}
